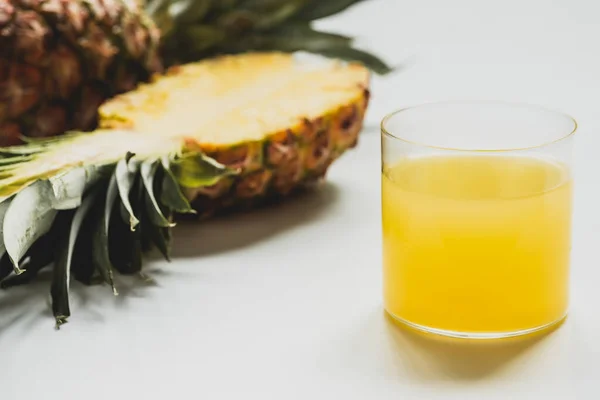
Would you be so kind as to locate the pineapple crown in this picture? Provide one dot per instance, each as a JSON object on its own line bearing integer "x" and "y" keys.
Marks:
{"x": 58, "y": 206}
{"x": 196, "y": 29}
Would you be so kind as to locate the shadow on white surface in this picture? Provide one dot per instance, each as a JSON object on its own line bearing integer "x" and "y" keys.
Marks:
{"x": 439, "y": 358}
{"x": 27, "y": 305}
{"x": 239, "y": 230}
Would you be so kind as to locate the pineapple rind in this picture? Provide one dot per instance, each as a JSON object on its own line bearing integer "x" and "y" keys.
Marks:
{"x": 314, "y": 157}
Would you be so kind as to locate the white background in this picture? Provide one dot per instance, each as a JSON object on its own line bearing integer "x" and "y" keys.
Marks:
{"x": 286, "y": 304}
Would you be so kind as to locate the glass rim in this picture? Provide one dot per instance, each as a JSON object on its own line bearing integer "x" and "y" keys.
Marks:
{"x": 392, "y": 114}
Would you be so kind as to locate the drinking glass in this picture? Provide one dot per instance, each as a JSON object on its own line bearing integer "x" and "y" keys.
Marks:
{"x": 476, "y": 217}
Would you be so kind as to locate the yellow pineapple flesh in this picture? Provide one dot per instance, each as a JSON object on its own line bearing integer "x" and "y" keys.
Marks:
{"x": 279, "y": 119}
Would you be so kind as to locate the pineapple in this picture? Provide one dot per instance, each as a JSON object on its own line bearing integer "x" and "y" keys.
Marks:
{"x": 61, "y": 59}
{"x": 222, "y": 133}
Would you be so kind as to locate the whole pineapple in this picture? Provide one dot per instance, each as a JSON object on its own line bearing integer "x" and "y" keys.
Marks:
{"x": 225, "y": 132}
{"x": 60, "y": 59}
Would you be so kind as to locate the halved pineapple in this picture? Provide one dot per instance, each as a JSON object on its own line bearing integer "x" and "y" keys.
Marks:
{"x": 280, "y": 119}
{"x": 219, "y": 133}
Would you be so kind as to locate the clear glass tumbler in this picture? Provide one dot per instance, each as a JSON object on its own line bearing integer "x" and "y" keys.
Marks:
{"x": 476, "y": 215}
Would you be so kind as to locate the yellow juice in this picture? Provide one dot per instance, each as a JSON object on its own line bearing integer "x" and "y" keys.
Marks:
{"x": 476, "y": 244}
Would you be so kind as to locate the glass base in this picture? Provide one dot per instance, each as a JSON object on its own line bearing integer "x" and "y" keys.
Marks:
{"x": 477, "y": 335}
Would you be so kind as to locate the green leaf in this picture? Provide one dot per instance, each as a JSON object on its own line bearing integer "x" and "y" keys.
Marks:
{"x": 50, "y": 140}
{"x": 6, "y": 266}
{"x": 158, "y": 11}
{"x": 23, "y": 150}
{"x": 5, "y": 170}
{"x": 187, "y": 11}
{"x": 14, "y": 161}
{"x": 29, "y": 216}
{"x": 244, "y": 19}
{"x": 82, "y": 266}
{"x": 39, "y": 256}
{"x": 68, "y": 187}
{"x": 125, "y": 179}
{"x": 59, "y": 290}
{"x": 3, "y": 208}
{"x": 221, "y": 5}
{"x": 261, "y": 5}
{"x": 200, "y": 37}
{"x": 155, "y": 6}
{"x": 145, "y": 238}
{"x": 298, "y": 38}
{"x": 125, "y": 244}
{"x": 324, "y": 8}
{"x": 351, "y": 54}
{"x": 161, "y": 237}
{"x": 155, "y": 214}
{"x": 291, "y": 40}
{"x": 301, "y": 30}
{"x": 279, "y": 15}
{"x": 100, "y": 254}
{"x": 194, "y": 170}
{"x": 136, "y": 248}
{"x": 171, "y": 194}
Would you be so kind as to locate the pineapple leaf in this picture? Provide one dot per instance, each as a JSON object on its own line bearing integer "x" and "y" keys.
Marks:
{"x": 9, "y": 161}
{"x": 162, "y": 239}
{"x": 124, "y": 244}
{"x": 6, "y": 170}
{"x": 23, "y": 150}
{"x": 352, "y": 54}
{"x": 125, "y": 179}
{"x": 188, "y": 11}
{"x": 290, "y": 40}
{"x": 29, "y": 216}
{"x": 136, "y": 249}
{"x": 302, "y": 38}
{"x": 259, "y": 5}
{"x": 145, "y": 238}
{"x": 171, "y": 195}
{"x": 226, "y": 4}
{"x": 243, "y": 19}
{"x": 82, "y": 265}
{"x": 59, "y": 290}
{"x": 38, "y": 256}
{"x": 278, "y": 16}
{"x": 6, "y": 266}
{"x": 148, "y": 172}
{"x": 324, "y": 8}
{"x": 68, "y": 187}
{"x": 302, "y": 30}
{"x": 201, "y": 37}
{"x": 48, "y": 140}
{"x": 100, "y": 254}
{"x": 3, "y": 208}
{"x": 154, "y": 6}
{"x": 194, "y": 170}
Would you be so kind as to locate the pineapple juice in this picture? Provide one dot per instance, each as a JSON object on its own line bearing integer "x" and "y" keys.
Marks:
{"x": 476, "y": 244}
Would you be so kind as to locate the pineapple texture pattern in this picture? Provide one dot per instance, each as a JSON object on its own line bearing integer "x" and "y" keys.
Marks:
{"x": 60, "y": 59}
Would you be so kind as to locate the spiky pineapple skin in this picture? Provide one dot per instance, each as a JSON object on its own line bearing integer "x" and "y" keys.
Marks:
{"x": 284, "y": 163}
{"x": 61, "y": 59}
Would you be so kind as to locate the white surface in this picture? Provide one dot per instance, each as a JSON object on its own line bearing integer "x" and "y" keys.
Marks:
{"x": 286, "y": 304}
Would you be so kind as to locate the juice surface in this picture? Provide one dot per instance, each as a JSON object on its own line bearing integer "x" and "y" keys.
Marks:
{"x": 476, "y": 244}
